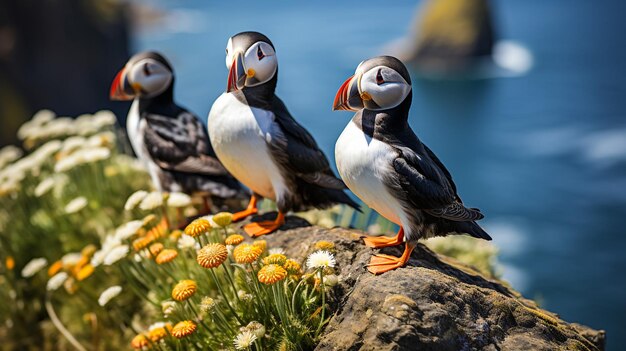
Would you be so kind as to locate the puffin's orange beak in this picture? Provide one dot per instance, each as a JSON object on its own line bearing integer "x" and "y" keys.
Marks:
{"x": 236, "y": 75}
{"x": 120, "y": 89}
{"x": 347, "y": 97}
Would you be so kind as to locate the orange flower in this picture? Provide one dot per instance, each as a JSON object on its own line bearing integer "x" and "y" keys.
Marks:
{"x": 212, "y": 255}
{"x": 234, "y": 239}
{"x": 197, "y": 227}
{"x": 10, "y": 263}
{"x": 155, "y": 248}
{"x": 88, "y": 250}
{"x": 246, "y": 253}
{"x": 55, "y": 268}
{"x": 175, "y": 234}
{"x": 324, "y": 245}
{"x": 159, "y": 333}
{"x": 165, "y": 256}
{"x": 139, "y": 342}
{"x": 141, "y": 243}
{"x": 271, "y": 274}
{"x": 183, "y": 329}
{"x": 84, "y": 272}
{"x": 184, "y": 290}
{"x": 292, "y": 267}
{"x": 277, "y": 258}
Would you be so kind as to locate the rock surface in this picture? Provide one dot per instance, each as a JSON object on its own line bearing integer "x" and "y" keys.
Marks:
{"x": 435, "y": 303}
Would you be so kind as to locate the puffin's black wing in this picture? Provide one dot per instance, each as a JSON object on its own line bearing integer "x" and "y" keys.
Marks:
{"x": 180, "y": 144}
{"x": 429, "y": 186}
{"x": 297, "y": 150}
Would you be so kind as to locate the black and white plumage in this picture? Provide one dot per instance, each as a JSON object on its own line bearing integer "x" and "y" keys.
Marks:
{"x": 169, "y": 140}
{"x": 261, "y": 144}
{"x": 386, "y": 165}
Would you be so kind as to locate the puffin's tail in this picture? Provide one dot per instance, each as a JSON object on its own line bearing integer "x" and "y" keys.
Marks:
{"x": 476, "y": 231}
{"x": 316, "y": 196}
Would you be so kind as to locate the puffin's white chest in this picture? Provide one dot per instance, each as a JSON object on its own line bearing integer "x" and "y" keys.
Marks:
{"x": 363, "y": 162}
{"x": 135, "y": 127}
{"x": 238, "y": 136}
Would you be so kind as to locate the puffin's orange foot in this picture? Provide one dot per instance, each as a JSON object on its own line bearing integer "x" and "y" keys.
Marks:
{"x": 255, "y": 229}
{"x": 243, "y": 214}
{"x": 384, "y": 263}
{"x": 381, "y": 241}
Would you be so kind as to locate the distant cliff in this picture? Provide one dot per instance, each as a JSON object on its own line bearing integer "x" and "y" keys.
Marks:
{"x": 436, "y": 303}
{"x": 59, "y": 55}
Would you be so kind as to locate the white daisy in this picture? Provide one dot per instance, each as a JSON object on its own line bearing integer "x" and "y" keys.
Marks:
{"x": 9, "y": 154}
{"x": 186, "y": 242}
{"x": 44, "y": 186}
{"x": 34, "y": 266}
{"x": 42, "y": 117}
{"x": 168, "y": 307}
{"x": 56, "y": 281}
{"x": 244, "y": 340}
{"x": 109, "y": 294}
{"x": 104, "y": 118}
{"x": 321, "y": 259}
{"x": 128, "y": 229}
{"x": 177, "y": 199}
{"x": 76, "y": 205}
{"x": 72, "y": 258}
{"x": 151, "y": 201}
{"x": 134, "y": 199}
{"x": 115, "y": 255}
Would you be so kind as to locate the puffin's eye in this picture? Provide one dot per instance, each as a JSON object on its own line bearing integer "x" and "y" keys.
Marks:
{"x": 146, "y": 69}
{"x": 379, "y": 77}
{"x": 259, "y": 53}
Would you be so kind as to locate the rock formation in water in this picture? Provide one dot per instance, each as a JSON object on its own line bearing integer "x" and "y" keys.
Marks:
{"x": 450, "y": 35}
{"x": 436, "y": 303}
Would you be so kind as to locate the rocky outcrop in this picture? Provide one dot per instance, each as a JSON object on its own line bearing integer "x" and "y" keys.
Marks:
{"x": 435, "y": 303}
{"x": 450, "y": 35}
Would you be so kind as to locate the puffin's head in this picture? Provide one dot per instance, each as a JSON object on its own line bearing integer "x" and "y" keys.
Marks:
{"x": 379, "y": 83}
{"x": 145, "y": 75}
{"x": 250, "y": 59}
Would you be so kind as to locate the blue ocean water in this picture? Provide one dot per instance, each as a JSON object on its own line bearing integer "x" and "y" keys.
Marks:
{"x": 543, "y": 155}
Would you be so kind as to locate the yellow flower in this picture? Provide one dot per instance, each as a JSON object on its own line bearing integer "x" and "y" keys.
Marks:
{"x": 155, "y": 249}
{"x": 55, "y": 268}
{"x": 139, "y": 342}
{"x": 292, "y": 266}
{"x": 165, "y": 256}
{"x": 197, "y": 227}
{"x": 84, "y": 272}
{"x": 246, "y": 253}
{"x": 324, "y": 245}
{"x": 141, "y": 243}
{"x": 262, "y": 244}
{"x": 149, "y": 219}
{"x": 88, "y": 250}
{"x": 234, "y": 239}
{"x": 160, "y": 332}
{"x": 183, "y": 329}
{"x": 212, "y": 255}
{"x": 184, "y": 290}
{"x": 277, "y": 258}
{"x": 175, "y": 234}
{"x": 10, "y": 263}
{"x": 223, "y": 219}
{"x": 271, "y": 274}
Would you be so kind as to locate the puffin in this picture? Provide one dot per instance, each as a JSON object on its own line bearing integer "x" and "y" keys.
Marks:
{"x": 384, "y": 163}
{"x": 170, "y": 141}
{"x": 262, "y": 145}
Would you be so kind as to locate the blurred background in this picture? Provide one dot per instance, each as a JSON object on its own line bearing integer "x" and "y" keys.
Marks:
{"x": 524, "y": 101}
